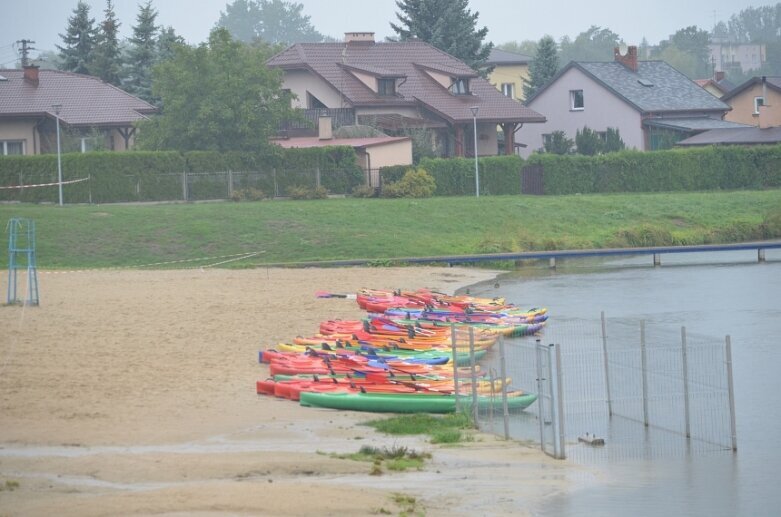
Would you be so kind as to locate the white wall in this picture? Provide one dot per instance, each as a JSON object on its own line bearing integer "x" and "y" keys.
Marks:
{"x": 299, "y": 82}
{"x": 602, "y": 109}
{"x": 20, "y": 130}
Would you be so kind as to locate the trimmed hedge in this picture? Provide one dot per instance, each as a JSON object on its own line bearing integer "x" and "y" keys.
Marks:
{"x": 159, "y": 175}
{"x": 456, "y": 176}
{"x": 708, "y": 168}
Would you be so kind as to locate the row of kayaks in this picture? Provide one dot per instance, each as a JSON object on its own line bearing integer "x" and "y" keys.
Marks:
{"x": 401, "y": 360}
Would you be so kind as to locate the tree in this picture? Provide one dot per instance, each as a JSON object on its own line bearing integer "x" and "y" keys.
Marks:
{"x": 543, "y": 68}
{"x": 142, "y": 53}
{"x": 613, "y": 141}
{"x": 79, "y": 40}
{"x": 756, "y": 25}
{"x": 106, "y": 62}
{"x": 273, "y": 21}
{"x": 219, "y": 96}
{"x": 167, "y": 41}
{"x": 558, "y": 143}
{"x": 446, "y": 24}
{"x": 526, "y": 47}
{"x": 588, "y": 142}
{"x": 595, "y": 44}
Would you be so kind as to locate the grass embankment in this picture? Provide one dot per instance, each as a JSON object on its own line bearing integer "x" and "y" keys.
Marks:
{"x": 384, "y": 229}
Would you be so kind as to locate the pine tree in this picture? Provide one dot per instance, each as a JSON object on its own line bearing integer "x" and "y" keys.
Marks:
{"x": 448, "y": 25}
{"x": 543, "y": 68}
{"x": 166, "y": 42}
{"x": 142, "y": 53}
{"x": 79, "y": 40}
{"x": 106, "y": 62}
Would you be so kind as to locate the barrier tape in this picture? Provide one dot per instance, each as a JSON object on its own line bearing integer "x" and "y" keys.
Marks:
{"x": 231, "y": 258}
{"x": 46, "y": 184}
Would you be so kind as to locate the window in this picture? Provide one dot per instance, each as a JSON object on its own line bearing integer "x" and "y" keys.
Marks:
{"x": 546, "y": 140}
{"x": 576, "y": 100}
{"x": 9, "y": 147}
{"x": 758, "y": 101}
{"x": 508, "y": 89}
{"x": 386, "y": 87}
{"x": 460, "y": 86}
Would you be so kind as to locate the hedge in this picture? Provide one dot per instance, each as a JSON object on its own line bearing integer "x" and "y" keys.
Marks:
{"x": 707, "y": 168}
{"x": 160, "y": 175}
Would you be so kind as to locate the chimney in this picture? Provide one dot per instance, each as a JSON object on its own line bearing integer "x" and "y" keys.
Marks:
{"x": 764, "y": 116}
{"x": 359, "y": 37}
{"x": 718, "y": 76}
{"x": 629, "y": 59}
{"x": 31, "y": 75}
{"x": 324, "y": 128}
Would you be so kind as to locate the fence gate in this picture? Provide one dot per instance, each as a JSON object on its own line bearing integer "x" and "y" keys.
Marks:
{"x": 532, "y": 180}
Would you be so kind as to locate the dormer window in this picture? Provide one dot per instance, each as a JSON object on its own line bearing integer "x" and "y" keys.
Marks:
{"x": 386, "y": 87}
{"x": 460, "y": 86}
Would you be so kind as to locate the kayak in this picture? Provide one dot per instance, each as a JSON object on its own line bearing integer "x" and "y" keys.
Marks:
{"x": 409, "y": 403}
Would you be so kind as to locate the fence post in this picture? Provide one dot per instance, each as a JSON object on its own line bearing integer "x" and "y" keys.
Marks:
{"x": 553, "y": 402}
{"x": 276, "y": 187}
{"x": 473, "y": 374}
{"x": 607, "y": 372}
{"x": 503, "y": 372}
{"x": 453, "y": 340}
{"x": 560, "y": 403}
{"x": 685, "y": 366}
{"x": 230, "y": 184}
{"x": 644, "y": 370}
{"x": 731, "y": 388}
{"x": 184, "y": 185}
{"x": 541, "y": 401}
{"x": 317, "y": 176}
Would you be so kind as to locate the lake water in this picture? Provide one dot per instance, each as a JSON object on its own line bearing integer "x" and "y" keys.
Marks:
{"x": 711, "y": 294}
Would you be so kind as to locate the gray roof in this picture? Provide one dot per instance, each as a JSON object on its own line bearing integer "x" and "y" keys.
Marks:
{"x": 774, "y": 83}
{"x": 692, "y": 123}
{"x": 744, "y": 136}
{"x": 410, "y": 59}
{"x": 85, "y": 100}
{"x": 656, "y": 87}
{"x": 505, "y": 57}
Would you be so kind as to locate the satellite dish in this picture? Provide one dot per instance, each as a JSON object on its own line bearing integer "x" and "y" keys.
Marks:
{"x": 622, "y": 48}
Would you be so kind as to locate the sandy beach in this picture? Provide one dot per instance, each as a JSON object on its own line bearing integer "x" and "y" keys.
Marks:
{"x": 133, "y": 393}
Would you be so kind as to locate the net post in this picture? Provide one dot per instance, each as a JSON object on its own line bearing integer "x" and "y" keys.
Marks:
{"x": 731, "y": 390}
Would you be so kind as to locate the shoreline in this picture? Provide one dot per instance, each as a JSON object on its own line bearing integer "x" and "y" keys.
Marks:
{"x": 133, "y": 392}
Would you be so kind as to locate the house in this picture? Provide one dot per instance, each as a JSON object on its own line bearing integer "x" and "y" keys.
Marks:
{"x": 402, "y": 88}
{"x": 747, "y": 99}
{"x": 748, "y": 135}
{"x": 92, "y": 114}
{"x": 717, "y": 86}
{"x": 510, "y": 71}
{"x": 649, "y": 102}
{"x": 372, "y": 152}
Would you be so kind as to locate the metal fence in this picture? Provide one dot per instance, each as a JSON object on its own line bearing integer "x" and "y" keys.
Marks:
{"x": 645, "y": 391}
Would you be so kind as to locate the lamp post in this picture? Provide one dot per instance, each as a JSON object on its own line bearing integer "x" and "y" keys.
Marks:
{"x": 57, "y": 108}
{"x": 474, "y": 110}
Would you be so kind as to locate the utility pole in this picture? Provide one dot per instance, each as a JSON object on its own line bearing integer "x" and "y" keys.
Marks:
{"x": 25, "y": 50}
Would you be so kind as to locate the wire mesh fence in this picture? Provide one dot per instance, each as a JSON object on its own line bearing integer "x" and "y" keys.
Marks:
{"x": 646, "y": 391}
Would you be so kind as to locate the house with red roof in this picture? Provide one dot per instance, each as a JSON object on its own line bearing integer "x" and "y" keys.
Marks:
{"x": 400, "y": 87}
{"x": 92, "y": 114}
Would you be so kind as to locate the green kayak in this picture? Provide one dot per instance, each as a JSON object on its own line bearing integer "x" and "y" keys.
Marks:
{"x": 409, "y": 403}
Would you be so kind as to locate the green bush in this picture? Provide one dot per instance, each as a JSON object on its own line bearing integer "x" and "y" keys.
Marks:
{"x": 304, "y": 192}
{"x": 364, "y": 191}
{"x": 415, "y": 183}
{"x": 248, "y": 194}
{"x": 499, "y": 175}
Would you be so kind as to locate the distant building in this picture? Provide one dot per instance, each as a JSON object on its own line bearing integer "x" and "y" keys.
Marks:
{"x": 717, "y": 86}
{"x": 746, "y": 57}
{"x": 510, "y": 71}
{"x": 758, "y": 98}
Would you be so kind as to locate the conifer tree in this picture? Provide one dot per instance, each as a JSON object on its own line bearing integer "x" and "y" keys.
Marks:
{"x": 142, "y": 53}
{"x": 448, "y": 25}
{"x": 79, "y": 40}
{"x": 543, "y": 68}
{"x": 106, "y": 62}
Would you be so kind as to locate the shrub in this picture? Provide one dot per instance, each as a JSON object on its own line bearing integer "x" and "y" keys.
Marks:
{"x": 558, "y": 143}
{"x": 364, "y": 191}
{"x": 248, "y": 194}
{"x": 415, "y": 183}
{"x": 302, "y": 192}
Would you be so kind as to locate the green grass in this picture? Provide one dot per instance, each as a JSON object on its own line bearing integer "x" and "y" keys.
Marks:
{"x": 396, "y": 458}
{"x": 385, "y": 229}
{"x": 441, "y": 429}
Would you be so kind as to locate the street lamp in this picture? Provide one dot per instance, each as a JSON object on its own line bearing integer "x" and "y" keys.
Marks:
{"x": 474, "y": 110}
{"x": 57, "y": 108}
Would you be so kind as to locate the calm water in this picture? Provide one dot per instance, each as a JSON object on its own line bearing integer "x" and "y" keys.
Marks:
{"x": 711, "y": 294}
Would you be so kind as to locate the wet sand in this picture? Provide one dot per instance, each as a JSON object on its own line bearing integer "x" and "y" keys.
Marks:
{"x": 132, "y": 393}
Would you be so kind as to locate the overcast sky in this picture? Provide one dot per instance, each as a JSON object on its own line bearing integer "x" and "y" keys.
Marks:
{"x": 507, "y": 20}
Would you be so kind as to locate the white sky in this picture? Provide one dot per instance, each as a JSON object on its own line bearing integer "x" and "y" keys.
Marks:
{"x": 507, "y": 20}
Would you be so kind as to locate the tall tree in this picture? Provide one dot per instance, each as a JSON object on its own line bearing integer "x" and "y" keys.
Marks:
{"x": 273, "y": 21}
{"x": 756, "y": 25}
{"x": 106, "y": 60}
{"x": 79, "y": 40}
{"x": 448, "y": 25}
{"x": 526, "y": 47}
{"x": 594, "y": 44}
{"x": 687, "y": 51}
{"x": 167, "y": 41}
{"x": 543, "y": 68}
{"x": 142, "y": 53}
{"x": 218, "y": 96}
